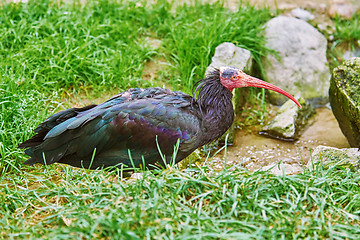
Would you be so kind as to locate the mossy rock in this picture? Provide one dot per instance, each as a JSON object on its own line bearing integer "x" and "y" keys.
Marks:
{"x": 290, "y": 121}
{"x": 327, "y": 157}
{"x": 344, "y": 95}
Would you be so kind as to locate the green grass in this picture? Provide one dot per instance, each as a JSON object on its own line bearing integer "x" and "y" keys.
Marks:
{"x": 51, "y": 52}
{"x": 205, "y": 27}
{"x": 59, "y": 48}
{"x": 347, "y": 30}
{"x": 345, "y": 37}
{"x": 190, "y": 204}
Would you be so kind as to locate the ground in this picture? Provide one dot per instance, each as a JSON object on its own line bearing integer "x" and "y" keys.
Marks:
{"x": 254, "y": 151}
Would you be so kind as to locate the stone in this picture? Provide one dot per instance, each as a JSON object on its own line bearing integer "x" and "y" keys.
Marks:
{"x": 281, "y": 169}
{"x": 355, "y": 52}
{"x": 327, "y": 157}
{"x": 290, "y": 121}
{"x": 344, "y": 94}
{"x": 341, "y": 8}
{"x": 300, "y": 66}
{"x": 302, "y": 14}
{"x": 227, "y": 54}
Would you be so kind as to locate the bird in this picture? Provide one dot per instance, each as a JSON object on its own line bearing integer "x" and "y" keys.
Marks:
{"x": 142, "y": 128}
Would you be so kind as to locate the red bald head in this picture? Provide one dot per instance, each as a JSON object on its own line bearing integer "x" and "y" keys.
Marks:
{"x": 234, "y": 78}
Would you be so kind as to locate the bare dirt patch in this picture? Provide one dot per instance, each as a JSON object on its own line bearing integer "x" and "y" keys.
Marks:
{"x": 254, "y": 151}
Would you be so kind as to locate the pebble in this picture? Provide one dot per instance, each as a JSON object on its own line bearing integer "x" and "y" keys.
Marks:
{"x": 341, "y": 8}
{"x": 302, "y": 14}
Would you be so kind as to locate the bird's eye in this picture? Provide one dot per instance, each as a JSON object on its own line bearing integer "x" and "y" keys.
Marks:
{"x": 233, "y": 77}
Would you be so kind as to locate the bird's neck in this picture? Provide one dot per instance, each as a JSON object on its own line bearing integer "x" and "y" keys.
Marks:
{"x": 215, "y": 103}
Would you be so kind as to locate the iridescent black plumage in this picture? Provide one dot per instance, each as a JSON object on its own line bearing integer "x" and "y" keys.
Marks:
{"x": 134, "y": 121}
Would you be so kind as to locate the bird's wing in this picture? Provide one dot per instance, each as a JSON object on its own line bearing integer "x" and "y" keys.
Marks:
{"x": 134, "y": 120}
{"x": 60, "y": 117}
{"x": 50, "y": 123}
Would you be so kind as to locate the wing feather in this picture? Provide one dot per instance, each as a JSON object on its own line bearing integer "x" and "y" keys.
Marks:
{"x": 131, "y": 121}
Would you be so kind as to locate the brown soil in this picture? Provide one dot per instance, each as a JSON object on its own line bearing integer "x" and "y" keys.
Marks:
{"x": 254, "y": 151}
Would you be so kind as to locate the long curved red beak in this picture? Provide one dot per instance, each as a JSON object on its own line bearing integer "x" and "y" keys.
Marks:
{"x": 245, "y": 80}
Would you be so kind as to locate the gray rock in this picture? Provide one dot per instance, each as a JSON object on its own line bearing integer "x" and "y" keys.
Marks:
{"x": 329, "y": 156}
{"x": 350, "y": 54}
{"x": 281, "y": 169}
{"x": 290, "y": 121}
{"x": 344, "y": 96}
{"x": 301, "y": 65}
{"x": 302, "y": 14}
{"x": 341, "y": 8}
{"x": 227, "y": 54}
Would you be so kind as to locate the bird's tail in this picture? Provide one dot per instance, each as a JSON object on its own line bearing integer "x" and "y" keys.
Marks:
{"x": 34, "y": 141}
{"x": 32, "y": 160}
